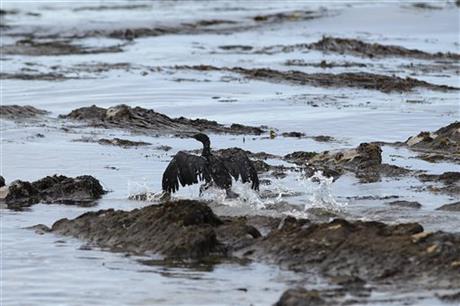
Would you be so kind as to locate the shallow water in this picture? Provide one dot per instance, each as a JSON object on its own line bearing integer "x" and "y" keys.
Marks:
{"x": 52, "y": 270}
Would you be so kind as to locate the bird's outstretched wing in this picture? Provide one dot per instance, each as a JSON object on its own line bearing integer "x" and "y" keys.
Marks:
{"x": 185, "y": 168}
{"x": 240, "y": 166}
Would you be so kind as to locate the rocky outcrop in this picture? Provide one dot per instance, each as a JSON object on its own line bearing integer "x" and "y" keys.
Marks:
{"x": 362, "y": 80}
{"x": 450, "y": 207}
{"x": 18, "y": 112}
{"x": 365, "y": 162}
{"x": 82, "y": 190}
{"x": 361, "y": 48}
{"x": 141, "y": 120}
{"x": 370, "y": 251}
{"x": 442, "y": 144}
{"x": 124, "y": 143}
{"x": 300, "y": 297}
{"x": 447, "y": 182}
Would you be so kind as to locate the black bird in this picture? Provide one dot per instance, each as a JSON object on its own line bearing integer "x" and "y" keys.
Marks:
{"x": 189, "y": 169}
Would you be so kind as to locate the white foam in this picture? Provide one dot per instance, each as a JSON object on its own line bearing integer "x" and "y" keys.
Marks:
{"x": 320, "y": 190}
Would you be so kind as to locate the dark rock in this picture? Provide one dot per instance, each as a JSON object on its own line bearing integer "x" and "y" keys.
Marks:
{"x": 183, "y": 229}
{"x": 323, "y": 64}
{"x": 143, "y": 120}
{"x": 348, "y": 281}
{"x": 426, "y": 6}
{"x": 357, "y": 47}
{"x": 49, "y": 76}
{"x": 450, "y": 182}
{"x": 2, "y": 181}
{"x": 17, "y": 112}
{"x": 62, "y": 47}
{"x": 236, "y": 47}
{"x": 368, "y": 251}
{"x": 286, "y": 16}
{"x": 40, "y": 229}
{"x": 450, "y": 207}
{"x": 21, "y": 194}
{"x": 293, "y": 134}
{"x": 111, "y": 7}
{"x": 61, "y": 189}
{"x": 163, "y": 148}
{"x": 301, "y": 297}
{"x": 364, "y": 80}
{"x": 124, "y": 143}
{"x": 445, "y": 142}
{"x": 450, "y": 177}
{"x": 449, "y": 298}
{"x": 365, "y": 162}
{"x": 82, "y": 190}
{"x": 406, "y": 204}
{"x": 323, "y": 138}
{"x": 300, "y": 156}
{"x": 403, "y": 229}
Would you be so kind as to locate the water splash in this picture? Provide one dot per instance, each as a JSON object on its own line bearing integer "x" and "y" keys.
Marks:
{"x": 317, "y": 188}
{"x": 247, "y": 196}
{"x": 141, "y": 191}
{"x": 321, "y": 196}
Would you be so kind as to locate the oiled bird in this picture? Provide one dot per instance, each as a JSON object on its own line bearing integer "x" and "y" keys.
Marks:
{"x": 188, "y": 169}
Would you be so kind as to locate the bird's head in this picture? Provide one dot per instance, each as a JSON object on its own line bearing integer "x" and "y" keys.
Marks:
{"x": 203, "y": 138}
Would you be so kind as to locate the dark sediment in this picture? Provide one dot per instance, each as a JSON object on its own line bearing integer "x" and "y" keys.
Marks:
{"x": 360, "y": 48}
{"x": 364, "y": 80}
{"x": 286, "y": 16}
{"x": 447, "y": 178}
{"x": 165, "y": 148}
{"x": 370, "y": 251}
{"x": 124, "y": 143}
{"x": 82, "y": 190}
{"x": 143, "y": 120}
{"x": 236, "y": 47}
{"x": 112, "y": 7}
{"x": 406, "y": 204}
{"x": 450, "y": 207}
{"x": 426, "y": 6}
{"x": 450, "y": 298}
{"x": 447, "y": 182}
{"x": 319, "y": 138}
{"x": 51, "y": 76}
{"x": 183, "y": 229}
{"x": 323, "y": 64}
{"x": 300, "y": 297}
{"x": 56, "y": 47}
{"x": 216, "y": 26}
{"x": 18, "y": 112}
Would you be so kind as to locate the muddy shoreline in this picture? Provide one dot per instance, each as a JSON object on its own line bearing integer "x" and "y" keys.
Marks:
{"x": 348, "y": 253}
